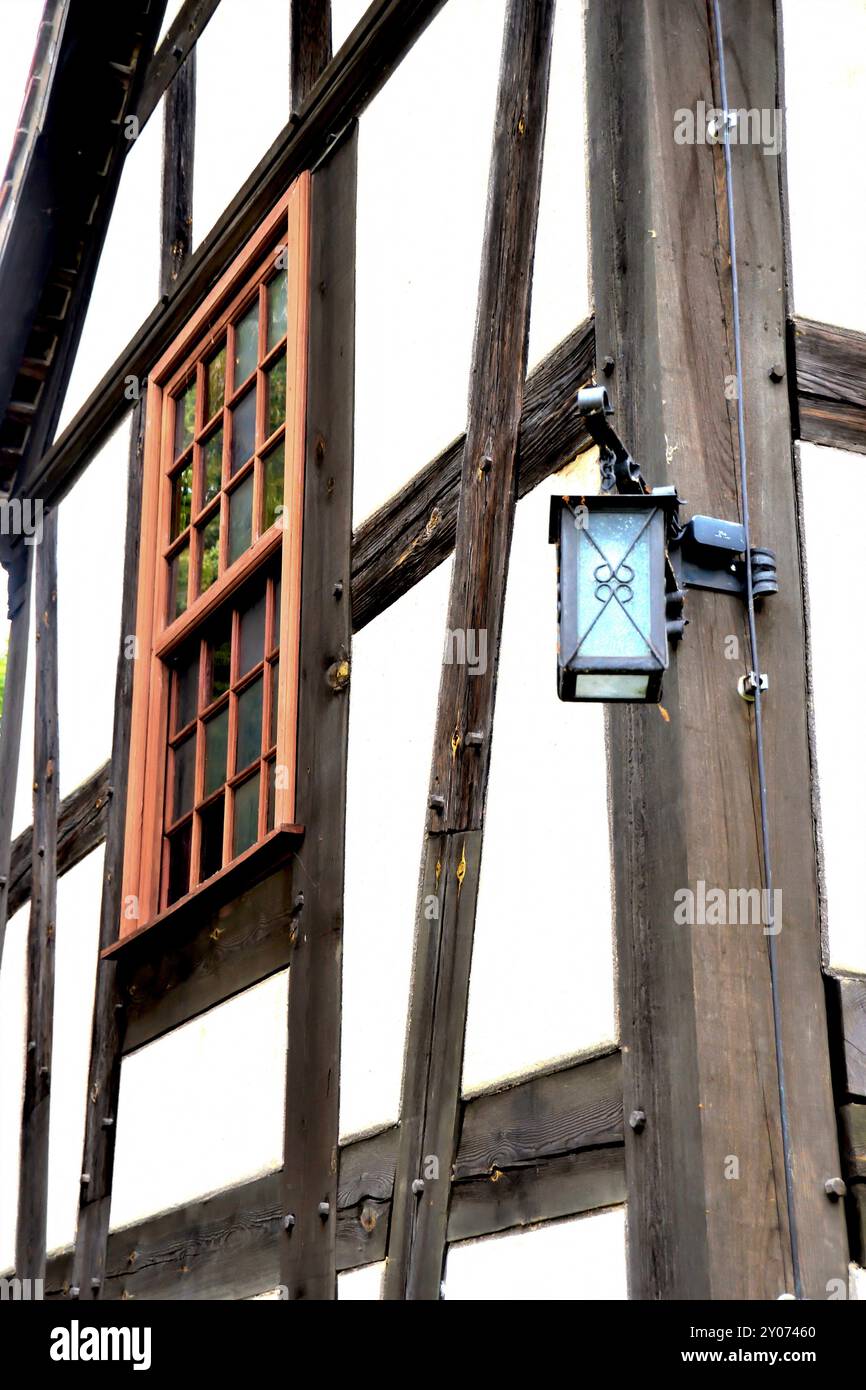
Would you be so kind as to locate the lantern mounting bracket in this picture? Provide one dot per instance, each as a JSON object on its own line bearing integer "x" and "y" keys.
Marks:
{"x": 706, "y": 552}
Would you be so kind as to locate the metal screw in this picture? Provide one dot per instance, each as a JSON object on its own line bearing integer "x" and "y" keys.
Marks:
{"x": 418, "y": 1186}
{"x": 436, "y": 803}
{"x": 637, "y": 1120}
{"x": 474, "y": 739}
{"x": 835, "y": 1188}
{"x": 288, "y": 1222}
{"x": 324, "y": 1210}
{"x": 43, "y": 1072}
{"x": 608, "y": 366}
{"x": 338, "y": 589}
{"x": 95, "y": 1284}
{"x": 486, "y": 463}
{"x": 777, "y": 372}
{"x": 85, "y": 1179}
{"x": 108, "y": 1121}
{"x": 74, "y": 1291}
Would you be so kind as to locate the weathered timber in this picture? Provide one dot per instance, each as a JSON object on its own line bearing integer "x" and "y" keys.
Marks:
{"x": 35, "y": 1109}
{"x": 695, "y": 1002}
{"x": 853, "y": 1121}
{"x": 488, "y": 494}
{"x": 829, "y": 373}
{"x": 107, "y": 1030}
{"x": 18, "y": 575}
{"x": 851, "y": 995}
{"x": 413, "y": 532}
{"x": 178, "y": 162}
{"x": 227, "y": 1246}
{"x": 310, "y": 46}
{"x": 371, "y": 53}
{"x": 173, "y": 54}
{"x": 308, "y": 1250}
{"x": 109, "y": 1014}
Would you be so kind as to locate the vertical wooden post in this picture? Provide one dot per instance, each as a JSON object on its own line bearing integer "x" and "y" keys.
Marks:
{"x": 106, "y": 1046}
{"x": 310, "y": 46}
{"x": 33, "y": 1180}
{"x": 19, "y": 569}
{"x": 461, "y": 751}
{"x": 309, "y": 1177}
{"x": 707, "y": 1201}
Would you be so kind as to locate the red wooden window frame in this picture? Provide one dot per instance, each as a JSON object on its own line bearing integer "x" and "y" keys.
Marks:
{"x": 273, "y": 551}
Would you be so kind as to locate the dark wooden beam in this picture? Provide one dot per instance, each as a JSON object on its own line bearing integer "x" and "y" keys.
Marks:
{"x": 173, "y": 53}
{"x": 81, "y": 823}
{"x": 414, "y": 530}
{"x": 308, "y": 1248}
{"x": 828, "y": 368}
{"x": 109, "y": 1012}
{"x": 371, "y": 53}
{"x": 310, "y": 46}
{"x": 695, "y": 1002}
{"x": 488, "y": 495}
{"x": 41, "y": 932}
{"x": 848, "y": 1013}
{"x": 545, "y": 1157}
{"x": 18, "y": 577}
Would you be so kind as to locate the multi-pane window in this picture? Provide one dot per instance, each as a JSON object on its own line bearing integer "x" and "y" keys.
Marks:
{"x": 212, "y": 760}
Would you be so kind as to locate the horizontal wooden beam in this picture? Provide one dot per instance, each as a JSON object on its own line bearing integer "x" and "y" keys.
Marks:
{"x": 851, "y": 1014}
{"x": 414, "y": 531}
{"x": 80, "y": 829}
{"x": 392, "y": 550}
{"x": 542, "y": 1148}
{"x": 828, "y": 366}
{"x": 370, "y": 54}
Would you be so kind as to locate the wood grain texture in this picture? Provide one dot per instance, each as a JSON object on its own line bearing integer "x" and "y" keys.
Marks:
{"x": 308, "y": 1250}
{"x": 451, "y": 857}
{"x": 19, "y": 579}
{"x": 41, "y": 933}
{"x": 829, "y": 369}
{"x": 81, "y": 822}
{"x": 173, "y": 53}
{"x": 695, "y": 1001}
{"x": 371, "y": 53}
{"x": 227, "y": 1246}
{"x": 852, "y": 1010}
{"x": 178, "y": 164}
{"x": 414, "y": 531}
{"x": 310, "y": 38}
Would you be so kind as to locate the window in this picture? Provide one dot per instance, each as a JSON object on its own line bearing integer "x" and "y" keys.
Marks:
{"x": 212, "y": 756}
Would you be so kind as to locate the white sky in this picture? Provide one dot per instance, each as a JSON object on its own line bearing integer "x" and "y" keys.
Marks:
{"x": 542, "y": 986}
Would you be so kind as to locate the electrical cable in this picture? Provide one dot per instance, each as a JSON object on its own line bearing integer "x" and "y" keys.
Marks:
{"x": 753, "y": 643}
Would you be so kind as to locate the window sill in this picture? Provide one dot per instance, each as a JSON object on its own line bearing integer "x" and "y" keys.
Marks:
{"x": 228, "y": 883}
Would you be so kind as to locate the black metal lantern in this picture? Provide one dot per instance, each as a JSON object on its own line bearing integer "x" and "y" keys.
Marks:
{"x": 613, "y": 607}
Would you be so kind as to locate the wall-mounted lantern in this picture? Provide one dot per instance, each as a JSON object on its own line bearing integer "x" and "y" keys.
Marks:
{"x": 624, "y": 563}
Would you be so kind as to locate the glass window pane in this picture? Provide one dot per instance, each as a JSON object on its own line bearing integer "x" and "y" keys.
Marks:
{"x": 247, "y": 343}
{"x": 186, "y": 687}
{"x": 178, "y": 584}
{"x": 246, "y": 829}
{"x": 276, "y": 381}
{"x": 277, "y": 309}
{"x": 272, "y": 795}
{"x": 215, "y": 381}
{"x": 275, "y": 467}
{"x": 243, "y": 430}
{"x": 220, "y": 654}
{"x": 275, "y": 672}
{"x": 178, "y": 862}
{"x": 212, "y": 838}
{"x": 252, "y": 637}
{"x": 181, "y": 500}
{"x": 183, "y": 777}
{"x": 210, "y": 552}
{"x": 249, "y": 741}
{"x": 212, "y": 465}
{"x": 216, "y": 732}
{"x": 240, "y": 519}
{"x": 184, "y": 419}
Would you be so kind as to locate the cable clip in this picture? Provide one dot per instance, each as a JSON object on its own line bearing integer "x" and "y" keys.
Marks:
{"x": 748, "y": 685}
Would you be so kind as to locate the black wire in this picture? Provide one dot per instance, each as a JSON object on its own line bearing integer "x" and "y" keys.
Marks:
{"x": 753, "y": 643}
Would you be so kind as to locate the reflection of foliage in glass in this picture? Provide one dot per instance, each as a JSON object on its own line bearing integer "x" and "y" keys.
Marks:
{"x": 275, "y": 467}
{"x": 276, "y": 395}
{"x": 277, "y": 307}
{"x": 184, "y": 423}
{"x": 216, "y": 382}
